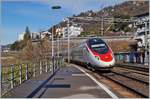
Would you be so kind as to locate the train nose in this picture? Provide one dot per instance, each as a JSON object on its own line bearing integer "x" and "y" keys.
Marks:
{"x": 106, "y": 57}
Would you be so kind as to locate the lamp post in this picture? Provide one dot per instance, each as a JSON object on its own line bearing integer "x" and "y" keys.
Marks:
{"x": 68, "y": 41}
{"x": 54, "y": 8}
{"x": 58, "y": 31}
{"x": 58, "y": 44}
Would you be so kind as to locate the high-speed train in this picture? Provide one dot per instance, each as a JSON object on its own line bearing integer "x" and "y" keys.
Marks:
{"x": 95, "y": 53}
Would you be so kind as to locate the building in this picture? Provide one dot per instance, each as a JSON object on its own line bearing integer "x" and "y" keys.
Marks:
{"x": 45, "y": 33}
{"x": 74, "y": 31}
{"x": 35, "y": 36}
{"x": 5, "y": 48}
{"x": 21, "y": 36}
{"x": 59, "y": 31}
{"x": 142, "y": 28}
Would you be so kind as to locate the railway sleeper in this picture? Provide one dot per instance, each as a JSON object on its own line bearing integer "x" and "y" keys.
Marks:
{"x": 138, "y": 92}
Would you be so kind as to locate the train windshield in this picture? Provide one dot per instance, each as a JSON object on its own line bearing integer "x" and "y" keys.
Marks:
{"x": 98, "y": 45}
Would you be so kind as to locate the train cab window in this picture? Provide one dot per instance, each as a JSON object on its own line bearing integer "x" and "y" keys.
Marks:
{"x": 98, "y": 46}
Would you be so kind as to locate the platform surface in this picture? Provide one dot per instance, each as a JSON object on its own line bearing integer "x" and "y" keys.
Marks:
{"x": 68, "y": 82}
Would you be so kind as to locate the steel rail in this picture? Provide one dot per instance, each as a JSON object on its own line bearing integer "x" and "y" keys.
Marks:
{"x": 126, "y": 85}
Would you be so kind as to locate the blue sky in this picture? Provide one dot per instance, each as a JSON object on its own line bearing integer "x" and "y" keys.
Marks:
{"x": 38, "y": 15}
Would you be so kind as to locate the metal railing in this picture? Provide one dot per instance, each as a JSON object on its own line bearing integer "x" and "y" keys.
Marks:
{"x": 15, "y": 74}
{"x": 130, "y": 57}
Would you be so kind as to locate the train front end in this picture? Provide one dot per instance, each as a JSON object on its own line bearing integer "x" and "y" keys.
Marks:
{"x": 101, "y": 54}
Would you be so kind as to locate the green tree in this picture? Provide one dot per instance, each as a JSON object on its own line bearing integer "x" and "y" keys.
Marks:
{"x": 15, "y": 45}
{"x": 27, "y": 35}
{"x": 19, "y": 45}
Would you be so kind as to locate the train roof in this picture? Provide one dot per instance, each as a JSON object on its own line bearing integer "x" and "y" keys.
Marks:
{"x": 93, "y": 40}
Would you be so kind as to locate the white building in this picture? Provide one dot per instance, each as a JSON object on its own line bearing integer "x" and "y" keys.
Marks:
{"x": 59, "y": 31}
{"x": 141, "y": 23}
{"x": 45, "y": 33}
{"x": 35, "y": 35}
{"x": 21, "y": 36}
{"x": 74, "y": 31}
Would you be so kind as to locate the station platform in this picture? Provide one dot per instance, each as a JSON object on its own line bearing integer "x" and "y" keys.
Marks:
{"x": 67, "y": 82}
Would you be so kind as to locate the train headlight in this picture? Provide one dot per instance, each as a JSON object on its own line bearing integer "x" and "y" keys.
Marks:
{"x": 97, "y": 57}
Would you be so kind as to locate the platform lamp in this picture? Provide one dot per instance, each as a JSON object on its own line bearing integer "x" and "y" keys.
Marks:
{"x": 56, "y": 7}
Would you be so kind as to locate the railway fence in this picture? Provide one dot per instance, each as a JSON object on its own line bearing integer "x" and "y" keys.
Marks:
{"x": 130, "y": 57}
{"x": 15, "y": 74}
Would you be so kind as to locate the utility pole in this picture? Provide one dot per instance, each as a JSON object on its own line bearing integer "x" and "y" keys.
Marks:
{"x": 149, "y": 42}
{"x": 149, "y": 46}
{"x": 52, "y": 41}
{"x": 146, "y": 43}
{"x": 58, "y": 42}
{"x": 146, "y": 58}
{"x": 58, "y": 47}
{"x": 52, "y": 50}
{"x": 68, "y": 41}
{"x": 102, "y": 24}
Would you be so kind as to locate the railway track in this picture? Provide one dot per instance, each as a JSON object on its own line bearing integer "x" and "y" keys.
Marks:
{"x": 134, "y": 81}
{"x": 138, "y": 68}
{"x": 133, "y": 71}
{"x": 133, "y": 74}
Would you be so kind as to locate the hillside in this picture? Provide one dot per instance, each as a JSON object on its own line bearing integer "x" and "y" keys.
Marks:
{"x": 126, "y": 10}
